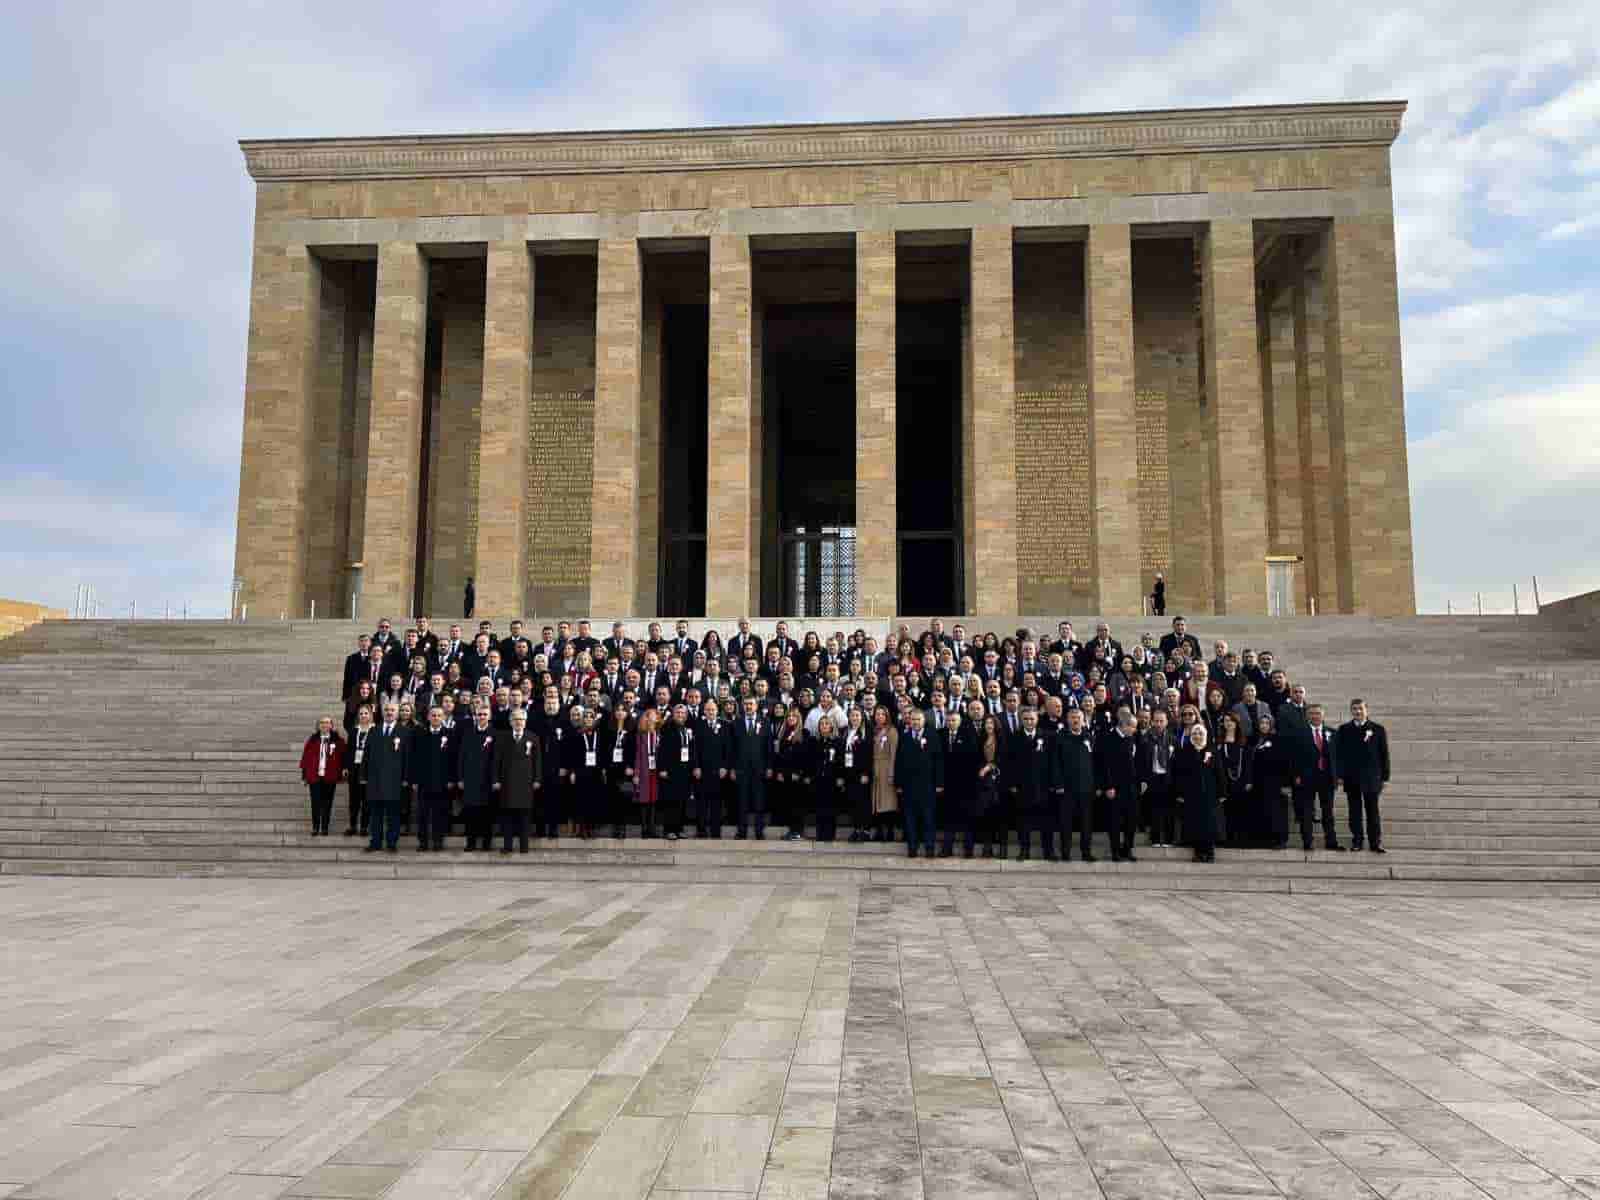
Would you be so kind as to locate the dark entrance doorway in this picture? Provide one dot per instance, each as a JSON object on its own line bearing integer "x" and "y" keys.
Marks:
{"x": 928, "y": 450}
{"x": 681, "y": 588}
{"x": 809, "y": 402}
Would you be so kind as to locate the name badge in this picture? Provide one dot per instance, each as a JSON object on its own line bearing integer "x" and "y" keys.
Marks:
{"x": 650, "y": 761}
{"x": 683, "y": 754}
{"x": 360, "y": 754}
{"x": 849, "y": 758}
{"x": 588, "y": 758}
{"x": 397, "y": 743}
{"x": 616, "y": 753}
{"x": 527, "y": 749}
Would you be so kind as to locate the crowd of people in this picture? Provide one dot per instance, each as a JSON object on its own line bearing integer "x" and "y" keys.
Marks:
{"x": 938, "y": 738}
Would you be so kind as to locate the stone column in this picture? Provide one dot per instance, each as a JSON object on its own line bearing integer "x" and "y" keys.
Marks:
{"x": 1236, "y": 439}
{"x": 992, "y": 427}
{"x": 285, "y": 297}
{"x": 877, "y": 567}
{"x": 394, "y": 446}
{"x": 1281, "y": 410}
{"x": 1113, "y": 424}
{"x": 1311, "y": 392}
{"x": 502, "y": 562}
{"x": 732, "y": 515}
{"x": 614, "y": 542}
{"x": 1367, "y": 420}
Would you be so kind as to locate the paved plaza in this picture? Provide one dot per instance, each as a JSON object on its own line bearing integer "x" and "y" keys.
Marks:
{"x": 246, "y": 1039}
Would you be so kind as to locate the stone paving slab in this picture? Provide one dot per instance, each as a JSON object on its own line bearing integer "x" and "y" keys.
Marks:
{"x": 253, "y": 1039}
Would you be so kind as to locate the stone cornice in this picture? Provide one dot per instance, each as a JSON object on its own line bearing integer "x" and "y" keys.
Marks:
{"x": 1174, "y": 131}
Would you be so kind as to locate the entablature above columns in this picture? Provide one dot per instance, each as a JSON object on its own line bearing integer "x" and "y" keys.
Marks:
{"x": 830, "y": 219}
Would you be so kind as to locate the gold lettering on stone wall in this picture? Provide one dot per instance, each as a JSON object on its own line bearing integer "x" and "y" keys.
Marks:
{"x": 1155, "y": 486}
{"x": 560, "y": 478}
{"x": 1053, "y": 489}
{"x": 469, "y": 541}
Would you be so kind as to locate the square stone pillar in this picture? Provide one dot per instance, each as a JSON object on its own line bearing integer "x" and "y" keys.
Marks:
{"x": 502, "y": 551}
{"x": 1311, "y": 389}
{"x": 1367, "y": 420}
{"x": 1281, "y": 411}
{"x": 992, "y": 425}
{"x": 733, "y": 517}
{"x": 1236, "y": 439}
{"x": 394, "y": 445}
{"x": 279, "y": 382}
{"x": 1113, "y": 423}
{"x": 877, "y": 567}
{"x": 619, "y": 320}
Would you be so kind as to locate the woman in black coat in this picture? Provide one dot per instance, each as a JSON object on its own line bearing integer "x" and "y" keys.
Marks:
{"x": 477, "y": 780}
{"x": 857, "y": 761}
{"x": 617, "y": 751}
{"x": 826, "y": 769}
{"x": 1197, "y": 776}
{"x": 987, "y": 792}
{"x": 1272, "y": 773}
{"x": 1238, "y": 825}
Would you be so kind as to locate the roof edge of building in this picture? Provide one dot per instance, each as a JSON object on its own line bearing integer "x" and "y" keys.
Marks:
{"x": 868, "y": 143}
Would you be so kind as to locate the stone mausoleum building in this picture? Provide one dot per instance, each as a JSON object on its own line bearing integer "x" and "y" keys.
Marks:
{"x": 1011, "y": 365}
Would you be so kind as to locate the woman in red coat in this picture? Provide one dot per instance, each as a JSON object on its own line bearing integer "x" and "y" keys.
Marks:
{"x": 321, "y": 763}
{"x": 646, "y": 740}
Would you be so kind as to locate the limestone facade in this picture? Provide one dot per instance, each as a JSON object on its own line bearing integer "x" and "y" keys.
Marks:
{"x": 1174, "y": 346}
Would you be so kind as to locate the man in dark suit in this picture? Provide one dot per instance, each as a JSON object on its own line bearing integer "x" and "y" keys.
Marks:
{"x": 1362, "y": 751}
{"x": 787, "y": 646}
{"x": 713, "y": 756}
{"x": 683, "y": 645}
{"x": 450, "y": 649}
{"x": 518, "y": 772}
{"x": 508, "y": 644}
{"x": 744, "y": 638}
{"x": 357, "y": 666}
{"x": 1316, "y": 770}
{"x": 430, "y": 770}
{"x": 748, "y": 766}
{"x": 675, "y": 767}
{"x": 475, "y": 777}
{"x": 1075, "y": 785}
{"x": 1117, "y": 774}
{"x": 1180, "y": 636}
{"x": 383, "y": 768}
{"x": 1030, "y": 767}
{"x": 614, "y": 644}
{"x": 918, "y": 776}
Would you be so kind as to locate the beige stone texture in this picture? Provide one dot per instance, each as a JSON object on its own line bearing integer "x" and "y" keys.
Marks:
{"x": 1233, "y": 419}
{"x": 336, "y": 381}
{"x": 285, "y": 288}
{"x": 992, "y": 423}
{"x": 1311, "y": 382}
{"x": 1281, "y": 419}
{"x": 561, "y": 412}
{"x": 394, "y": 454}
{"x": 454, "y": 427}
{"x": 614, "y": 539}
{"x": 733, "y": 517}
{"x": 877, "y": 574}
{"x": 649, "y": 558}
{"x": 500, "y": 557}
{"x": 1167, "y": 377}
{"x": 1113, "y": 450}
{"x": 1054, "y": 501}
{"x": 1367, "y": 421}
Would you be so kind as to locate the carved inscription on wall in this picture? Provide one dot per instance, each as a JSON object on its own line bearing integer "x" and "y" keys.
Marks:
{"x": 1053, "y": 489}
{"x": 1155, "y": 486}
{"x": 560, "y": 478}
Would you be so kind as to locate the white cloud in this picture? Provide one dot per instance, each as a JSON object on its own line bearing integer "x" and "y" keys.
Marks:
{"x": 1508, "y": 491}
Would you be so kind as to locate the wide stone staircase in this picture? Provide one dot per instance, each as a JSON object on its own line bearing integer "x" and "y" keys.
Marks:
{"x": 171, "y": 748}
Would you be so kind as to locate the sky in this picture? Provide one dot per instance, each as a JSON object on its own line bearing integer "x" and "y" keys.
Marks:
{"x": 124, "y": 296}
